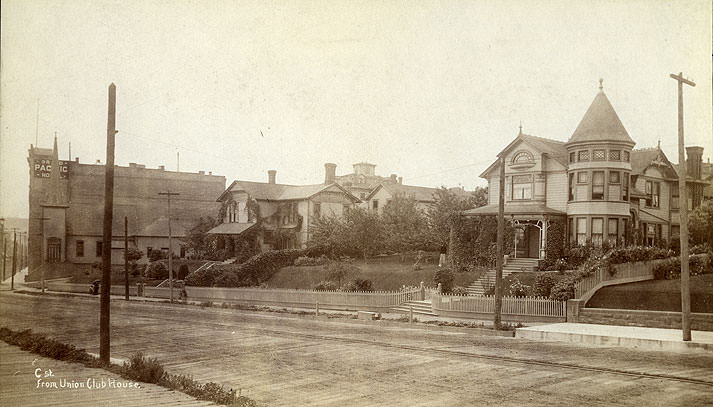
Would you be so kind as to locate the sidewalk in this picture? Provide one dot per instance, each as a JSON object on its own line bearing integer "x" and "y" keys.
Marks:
{"x": 620, "y": 336}
{"x": 73, "y": 384}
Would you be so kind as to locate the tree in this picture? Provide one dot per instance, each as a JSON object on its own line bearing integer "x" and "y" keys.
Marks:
{"x": 199, "y": 241}
{"x": 700, "y": 224}
{"x": 405, "y": 225}
{"x": 329, "y": 232}
{"x": 446, "y": 209}
{"x": 132, "y": 256}
{"x": 365, "y": 232}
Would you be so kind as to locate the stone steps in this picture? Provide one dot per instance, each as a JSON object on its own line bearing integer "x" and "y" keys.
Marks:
{"x": 487, "y": 280}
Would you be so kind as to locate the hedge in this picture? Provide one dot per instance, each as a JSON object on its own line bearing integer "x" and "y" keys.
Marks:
{"x": 253, "y": 272}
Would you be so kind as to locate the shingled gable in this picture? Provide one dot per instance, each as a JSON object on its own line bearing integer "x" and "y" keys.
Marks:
{"x": 281, "y": 192}
{"x": 600, "y": 123}
{"x": 646, "y": 157}
{"x": 553, "y": 148}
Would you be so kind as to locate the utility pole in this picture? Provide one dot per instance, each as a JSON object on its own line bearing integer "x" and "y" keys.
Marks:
{"x": 683, "y": 213}
{"x": 105, "y": 300}
{"x": 126, "y": 258}
{"x": 14, "y": 257}
{"x": 4, "y": 257}
{"x": 499, "y": 252}
{"x": 168, "y": 195}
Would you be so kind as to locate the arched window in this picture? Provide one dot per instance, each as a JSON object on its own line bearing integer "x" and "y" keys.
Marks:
{"x": 523, "y": 157}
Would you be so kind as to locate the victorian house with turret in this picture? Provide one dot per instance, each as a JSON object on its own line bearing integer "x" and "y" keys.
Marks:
{"x": 595, "y": 185}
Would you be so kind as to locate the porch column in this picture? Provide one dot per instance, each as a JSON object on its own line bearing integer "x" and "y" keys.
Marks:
{"x": 543, "y": 239}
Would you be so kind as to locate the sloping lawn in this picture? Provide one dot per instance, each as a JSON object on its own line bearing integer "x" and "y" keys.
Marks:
{"x": 656, "y": 295}
{"x": 385, "y": 275}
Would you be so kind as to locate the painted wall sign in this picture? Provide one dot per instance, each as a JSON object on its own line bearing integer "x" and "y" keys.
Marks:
{"x": 43, "y": 168}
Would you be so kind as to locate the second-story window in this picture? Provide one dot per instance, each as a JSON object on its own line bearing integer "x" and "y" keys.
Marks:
{"x": 675, "y": 202}
{"x": 583, "y": 155}
{"x": 625, "y": 156}
{"x": 599, "y": 155}
{"x": 100, "y": 246}
{"x": 598, "y": 185}
{"x": 317, "y": 210}
{"x": 572, "y": 157}
{"x": 614, "y": 155}
{"x": 625, "y": 187}
{"x": 375, "y": 204}
{"x": 522, "y": 187}
{"x": 571, "y": 186}
{"x": 653, "y": 194}
{"x": 80, "y": 248}
{"x": 614, "y": 177}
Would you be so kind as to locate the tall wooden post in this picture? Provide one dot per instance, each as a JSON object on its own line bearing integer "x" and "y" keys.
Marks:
{"x": 4, "y": 258}
{"x": 499, "y": 252}
{"x": 105, "y": 300}
{"x": 168, "y": 194}
{"x": 683, "y": 214}
{"x": 126, "y": 258}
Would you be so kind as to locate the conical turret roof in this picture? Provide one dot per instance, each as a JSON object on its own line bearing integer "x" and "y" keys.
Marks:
{"x": 600, "y": 123}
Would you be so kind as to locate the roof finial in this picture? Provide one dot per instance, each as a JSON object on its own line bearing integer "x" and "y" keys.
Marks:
{"x": 520, "y": 126}
{"x": 601, "y": 87}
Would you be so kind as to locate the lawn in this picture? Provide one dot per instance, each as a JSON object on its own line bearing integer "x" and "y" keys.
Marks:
{"x": 656, "y": 295}
{"x": 386, "y": 274}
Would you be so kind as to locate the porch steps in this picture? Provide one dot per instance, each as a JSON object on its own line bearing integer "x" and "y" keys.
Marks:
{"x": 487, "y": 280}
{"x": 419, "y": 307}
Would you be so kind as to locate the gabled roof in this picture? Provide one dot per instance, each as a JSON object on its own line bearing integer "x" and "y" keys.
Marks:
{"x": 643, "y": 158}
{"x": 264, "y": 191}
{"x": 553, "y": 148}
{"x": 421, "y": 194}
{"x": 600, "y": 123}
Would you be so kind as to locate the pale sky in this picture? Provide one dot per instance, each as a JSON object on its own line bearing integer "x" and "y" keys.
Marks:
{"x": 430, "y": 90}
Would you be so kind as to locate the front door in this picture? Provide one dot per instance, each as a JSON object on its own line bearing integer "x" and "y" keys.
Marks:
{"x": 533, "y": 242}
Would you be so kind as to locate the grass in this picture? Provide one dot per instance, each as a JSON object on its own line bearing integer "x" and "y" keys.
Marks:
{"x": 386, "y": 274}
{"x": 139, "y": 368}
{"x": 656, "y": 295}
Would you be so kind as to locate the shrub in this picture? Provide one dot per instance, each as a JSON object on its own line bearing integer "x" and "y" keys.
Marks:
{"x": 143, "y": 369}
{"x": 338, "y": 271}
{"x": 518, "y": 289}
{"x": 543, "y": 285}
{"x": 325, "y": 285}
{"x": 157, "y": 271}
{"x": 358, "y": 284}
{"x": 671, "y": 268}
{"x": 458, "y": 290}
{"x": 156, "y": 255}
{"x": 563, "y": 290}
{"x": 182, "y": 272}
{"x": 311, "y": 261}
{"x": 445, "y": 277}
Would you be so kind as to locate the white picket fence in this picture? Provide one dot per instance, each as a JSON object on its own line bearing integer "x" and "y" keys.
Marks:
{"x": 304, "y": 298}
{"x": 515, "y": 306}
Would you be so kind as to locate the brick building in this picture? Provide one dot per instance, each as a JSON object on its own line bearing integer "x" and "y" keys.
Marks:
{"x": 67, "y": 208}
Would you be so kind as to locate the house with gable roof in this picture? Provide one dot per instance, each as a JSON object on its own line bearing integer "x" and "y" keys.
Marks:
{"x": 279, "y": 214}
{"x": 596, "y": 183}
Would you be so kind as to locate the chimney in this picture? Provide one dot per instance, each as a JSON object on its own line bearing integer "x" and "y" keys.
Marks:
{"x": 694, "y": 161}
{"x": 271, "y": 176}
{"x": 162, "y": 167}
{"x": 393, "y": 178}
{"x": 401, "y": 180}
{"x": 76, "y": 159}
{"x": 330, "y": 173}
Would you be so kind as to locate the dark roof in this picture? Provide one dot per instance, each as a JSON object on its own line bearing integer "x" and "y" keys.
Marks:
{"x": 600, "y": 123}
{"x": 421, "y": 194}
{"x": 640, "y": 159}
{"x": 231, "y": 228}
{"x": 281, "y": 192}
{"x": 514, "y": 209}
